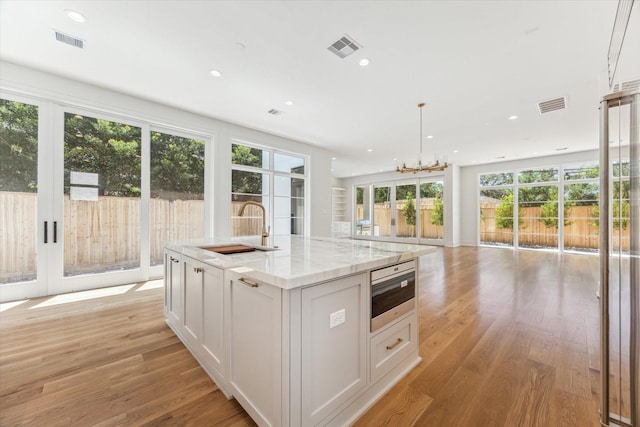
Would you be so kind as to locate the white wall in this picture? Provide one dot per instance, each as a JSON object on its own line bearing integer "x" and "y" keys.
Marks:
{"x": 28, "y": 82}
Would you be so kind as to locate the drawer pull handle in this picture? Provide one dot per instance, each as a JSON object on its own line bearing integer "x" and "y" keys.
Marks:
{"x": 197, "y": 269}
{"x": 395, "y": 344}
{"x": 174, "y": 259}
{"x": 248, "y": 282}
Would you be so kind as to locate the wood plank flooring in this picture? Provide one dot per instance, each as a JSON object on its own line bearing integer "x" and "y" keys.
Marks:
{"x": 508, "y": 338}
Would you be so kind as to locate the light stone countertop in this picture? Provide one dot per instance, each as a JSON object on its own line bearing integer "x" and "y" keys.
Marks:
{"x": 301, "y": 261}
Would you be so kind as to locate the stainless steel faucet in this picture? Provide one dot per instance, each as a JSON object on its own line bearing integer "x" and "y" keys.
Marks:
{"x": 265, "y": 229}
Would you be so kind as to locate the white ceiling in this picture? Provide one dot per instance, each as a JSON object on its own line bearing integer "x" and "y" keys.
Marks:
{"x": 474, "y": 63}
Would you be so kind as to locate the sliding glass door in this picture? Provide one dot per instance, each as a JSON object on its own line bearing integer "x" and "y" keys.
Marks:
{"x": 89, "y": 199}
{"x": 411, "y": 210}
{"x": 25, "y": 190}
{"x": 98, "y": 183}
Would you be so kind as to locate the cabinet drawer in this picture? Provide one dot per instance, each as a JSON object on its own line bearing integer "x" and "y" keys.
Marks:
{"x": 392, "y": 345}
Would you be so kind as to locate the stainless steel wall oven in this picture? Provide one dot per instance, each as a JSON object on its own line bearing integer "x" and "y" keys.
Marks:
{"x": 393, "y": 293}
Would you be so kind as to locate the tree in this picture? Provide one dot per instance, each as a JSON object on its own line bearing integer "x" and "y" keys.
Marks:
{"x": 504, "y": 213}
{"x": 177, "y": 166}
{"x": 245, "y": 182}
{"x": 18, "y": 146}
{"x": 409, "y": 211}
{"x": 437, "y": 214}
{"x": 549, "y": 210}
{"x": 110, "y": 149}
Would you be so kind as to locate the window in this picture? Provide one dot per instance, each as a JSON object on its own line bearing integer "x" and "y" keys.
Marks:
{"x": 557, "y": 208}
{"x": 274, "y": 179}
{"x": 102, "y": 193}
{"x": 176, "y": 210}
{"x": 410, "y": 210}
{"x": 18, "y": 191}
{"x": 496, "y": 209}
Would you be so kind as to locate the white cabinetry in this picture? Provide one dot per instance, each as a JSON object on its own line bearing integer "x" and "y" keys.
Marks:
{"x": 173, "y": 286}
{"x": 334, "y": 345}
{"x": 256, "y": 349}
{"x": 195, "y": 308}
{"x": 393, "y": 344}
{"x": 213, "y": 326}
{"x": 193, "y": 283}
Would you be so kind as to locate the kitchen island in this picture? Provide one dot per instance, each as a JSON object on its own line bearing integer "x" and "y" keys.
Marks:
{"x": 288, "y": 331}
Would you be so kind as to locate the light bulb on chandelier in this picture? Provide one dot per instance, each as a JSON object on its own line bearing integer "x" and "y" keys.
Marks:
{"x": 435, "y": 167}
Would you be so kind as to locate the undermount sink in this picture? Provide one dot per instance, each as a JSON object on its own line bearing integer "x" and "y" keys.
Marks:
{"x": 237, "y": 248}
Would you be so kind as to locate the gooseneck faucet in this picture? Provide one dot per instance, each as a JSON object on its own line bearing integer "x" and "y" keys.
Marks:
{"x": 265, "y": 229}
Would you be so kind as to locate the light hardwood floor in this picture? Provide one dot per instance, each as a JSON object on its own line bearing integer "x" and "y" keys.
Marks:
{"x": 508, "y": 338}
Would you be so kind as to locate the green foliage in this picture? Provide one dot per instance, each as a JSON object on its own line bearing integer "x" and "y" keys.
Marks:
{"x": 493, "y": 179}
{"x": 430, "y": 190}
{"x": 18, "y": 146}
{"x": 437, "y": 214}
{"x": 504, "y": 213}
{"x": 359, "y": 195}
{"x": 409, "y": 209}
{"x": 246, "y": 182}
{"x": 110, "y": 149}
{"x": 381, "y": 194}
{"x": 538, "y": 175}
{"x": 549, "y": 210}
{"x": 177, "y": 166}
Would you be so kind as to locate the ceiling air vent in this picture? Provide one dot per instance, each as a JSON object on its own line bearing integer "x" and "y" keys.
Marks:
{"x": 275, "y": 112}
{"x": 70, "y": 40}
{"x": 552, "y": 105}
{"x": 344, "y": 47}
{"x": 632, "y": 85}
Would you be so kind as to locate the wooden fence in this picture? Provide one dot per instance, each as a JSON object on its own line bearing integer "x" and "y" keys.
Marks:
{"x": 98, "y": 236}
{"x": 105, "y": 235}
{"x": 382, "y": 220}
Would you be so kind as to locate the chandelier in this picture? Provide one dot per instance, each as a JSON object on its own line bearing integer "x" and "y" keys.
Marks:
{"x": 435, "y": 167}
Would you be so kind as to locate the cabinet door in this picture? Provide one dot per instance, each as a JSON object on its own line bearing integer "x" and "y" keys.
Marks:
{"x": 256, "y": 349}
{"x": 213, "y": 321}
{"x": 193, "y": 282}
{"x": 334, "y": 352}
{"x": 173, "y": 286}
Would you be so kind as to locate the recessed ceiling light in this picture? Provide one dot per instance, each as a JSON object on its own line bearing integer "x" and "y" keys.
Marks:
{"x": 455, "y": 151}
{"x": 75, "y": 15}
{"x": 370, "y": 150}
{"x": 215, "y": 73}
{"x": 333, "y": 158}
{"x": 289, "y": 103}
{"x": 364, "y": 62}
{"x": 429, "y": 136}
{"x": 513, "y": 117}
{"x": 473, "y": 161}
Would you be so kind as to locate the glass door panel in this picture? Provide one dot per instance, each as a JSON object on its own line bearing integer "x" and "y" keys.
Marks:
{"x": 363, "y": 210}
{"x": 176, "y": 209}
{"x": 538, "y": 217}
{"x": 382, "y": 211}
{"x": 431, "y": 212}
{"x": 581, "y": 209}
{"x": 23, "y": 260}
{"x": 405, "y": 210}
{"x": 102, "y": 190}
{"x": 496, "y": 217}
